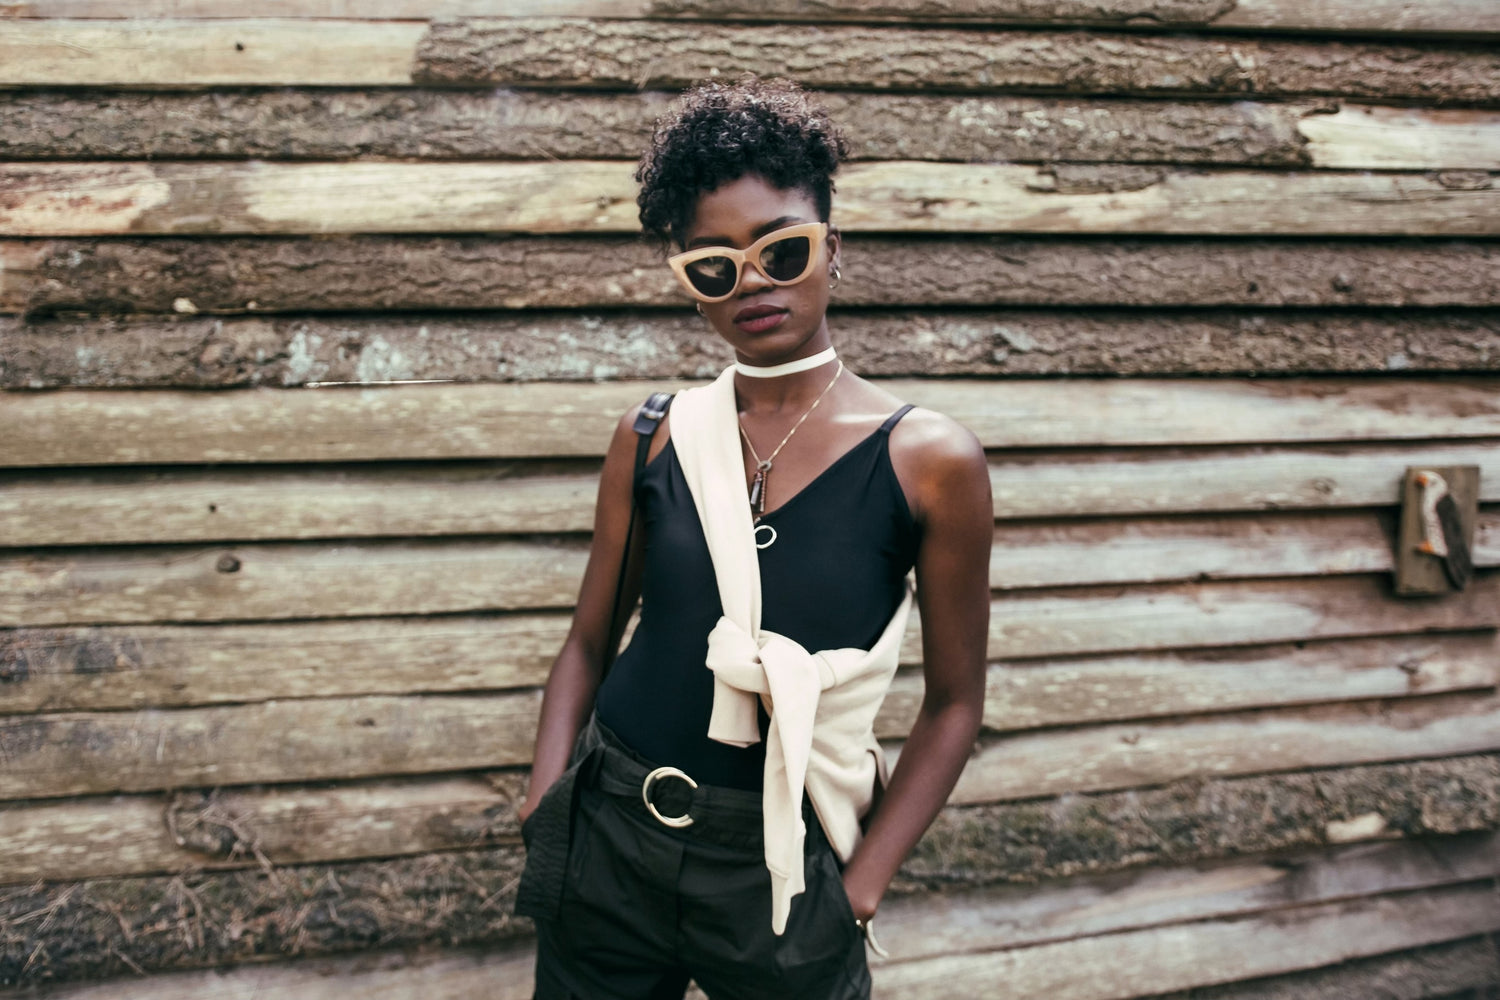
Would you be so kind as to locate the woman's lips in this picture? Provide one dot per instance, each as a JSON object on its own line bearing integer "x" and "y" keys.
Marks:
{"x": 759, "y": 319}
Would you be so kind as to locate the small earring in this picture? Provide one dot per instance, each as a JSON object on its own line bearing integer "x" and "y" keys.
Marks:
{"x": 837, "y": 277}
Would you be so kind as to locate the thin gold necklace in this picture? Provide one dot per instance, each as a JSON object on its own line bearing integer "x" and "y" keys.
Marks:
{"x": 763, "y": 465}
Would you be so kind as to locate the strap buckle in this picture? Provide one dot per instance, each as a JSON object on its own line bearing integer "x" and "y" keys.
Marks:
{"x": 651, "y": 779}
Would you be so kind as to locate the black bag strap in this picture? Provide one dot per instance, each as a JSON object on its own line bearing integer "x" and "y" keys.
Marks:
{"x": 652, "y": 411}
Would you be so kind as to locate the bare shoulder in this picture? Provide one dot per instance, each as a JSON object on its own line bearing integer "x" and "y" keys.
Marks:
{"x": 937, "y": 460}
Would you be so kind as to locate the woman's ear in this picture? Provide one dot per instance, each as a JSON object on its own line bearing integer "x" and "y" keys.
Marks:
{"x": 835, "y": 246}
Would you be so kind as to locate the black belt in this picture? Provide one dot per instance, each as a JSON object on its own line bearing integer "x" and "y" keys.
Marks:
{"x": 668, "y": 796}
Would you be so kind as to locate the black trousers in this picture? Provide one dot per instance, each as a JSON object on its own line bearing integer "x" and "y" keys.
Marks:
{"x": 634, "y": 908}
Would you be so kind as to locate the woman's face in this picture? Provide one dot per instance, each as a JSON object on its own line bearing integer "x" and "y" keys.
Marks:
{"x": 764, "y": 323}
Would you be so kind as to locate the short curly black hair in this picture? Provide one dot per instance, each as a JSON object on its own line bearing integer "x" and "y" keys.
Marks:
{"x": 717, "y": 133}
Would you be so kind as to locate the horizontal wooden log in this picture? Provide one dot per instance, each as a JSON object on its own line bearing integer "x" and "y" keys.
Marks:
{"x": 122, "y": 926}
{"x": 1448, "y": 971}
{"x": 309, "y": 923}
{"x": 1099, "y": 758}
{"x": 173, "y": 53}
{"x": 1118, "y": 967}
{"x": 1187, "y": 480}
{"x": 448, "y": 576}
{"x": 48, "y": 756}
{"x": 94, "y": 668}
{"x": 59, "y": 754}
{"x": 598, "y": 196}
{"x": 1193, "y": 820}
{"x": 634, "y": 55}
{"x": 364, "y": 273}
{"x": 1147, "y": 550}
{"x": 497, "y": 972}
{"x": 1201, "y": 818}
{"x": 1174, "y": 616}
{"x": 559, "y": 420}
{"x": 219, "y": 353}
{"x": 508, "y": 124}
{"x": 246, "y": 504}
{"x": 145, "y": 666}
{"x": 248, "y": 828}
{"x": 139, "y": 666}
{"x": 1021, "y": 916}
{"x": 1042, "y": 693}
{"x": 289, "y": 581}
{"x": 1448, "y": 17}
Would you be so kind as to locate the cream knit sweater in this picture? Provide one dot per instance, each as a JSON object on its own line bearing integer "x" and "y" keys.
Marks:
{"x": 822, "y": 705}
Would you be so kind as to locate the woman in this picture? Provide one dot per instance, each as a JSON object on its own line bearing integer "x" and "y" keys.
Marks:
{"x": 710, "y": 808}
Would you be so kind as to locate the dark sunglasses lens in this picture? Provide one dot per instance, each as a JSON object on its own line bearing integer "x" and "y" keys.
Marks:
{"x": 712, "y": 276}
{"x": 786, "y": 260}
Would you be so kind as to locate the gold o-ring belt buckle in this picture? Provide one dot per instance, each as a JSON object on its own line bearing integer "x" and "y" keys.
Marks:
{"x": 666, "y": 772}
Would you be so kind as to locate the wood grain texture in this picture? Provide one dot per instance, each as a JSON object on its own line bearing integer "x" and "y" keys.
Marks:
{"x": 1437, "y": 972}
{"x": 136, "y": 666}
{"x": 443, "y": 904}
{"x": 358, "y": 274}
{"x": 277, "y": 581}
{"x": 598, "y": 196}
{"x": 1116, "y": 967}
{"x": 633, "y": 55}
{"x": 1446, "y": 17}
{"x": 1057, "y": 692}
{"x": 63, "y": 754}
{"x": 1171, "y": 616}
{"x": 1128, "y": 755}
{"x": 296, "y": 124}
{"x": 62, "y": 669}
{"x": 268, "y": 582}
{"x": 178, "y": 53}
{"x": 206, "y": 352}
{"x": 1194, "y": 820}
{"x": 636, "y": 55}
{"x": 247, "y": 504}
{"x": 559, "y": 420}
{"x": 226, "y": 828}
{"x": 115, "y": 927}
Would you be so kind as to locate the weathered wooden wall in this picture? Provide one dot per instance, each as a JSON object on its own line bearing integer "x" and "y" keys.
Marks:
{"x": 1204, "y": 275}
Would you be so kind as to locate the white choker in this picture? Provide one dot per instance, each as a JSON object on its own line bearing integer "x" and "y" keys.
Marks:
{"x": 790, "y": 368}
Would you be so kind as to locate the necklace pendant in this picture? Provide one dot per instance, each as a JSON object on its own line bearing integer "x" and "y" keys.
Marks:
{"x": 758, "y": 490}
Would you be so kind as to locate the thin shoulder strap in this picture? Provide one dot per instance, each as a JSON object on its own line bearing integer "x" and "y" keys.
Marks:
{"x": 895, "y": 418}
{"x": 652, "y": 411}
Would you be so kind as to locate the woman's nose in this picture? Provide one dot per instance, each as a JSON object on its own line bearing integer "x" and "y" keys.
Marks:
{"x": 751, "y": 280}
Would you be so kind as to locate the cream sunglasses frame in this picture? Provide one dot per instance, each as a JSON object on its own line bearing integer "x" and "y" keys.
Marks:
{"x": 817, "y": 233}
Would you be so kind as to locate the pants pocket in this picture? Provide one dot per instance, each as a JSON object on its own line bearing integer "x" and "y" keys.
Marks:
{"x": 821, "y": 939}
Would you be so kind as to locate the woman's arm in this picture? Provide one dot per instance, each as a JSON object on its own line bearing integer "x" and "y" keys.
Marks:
{"x": 579, "y": 667}
{"x": 943, "y": 468}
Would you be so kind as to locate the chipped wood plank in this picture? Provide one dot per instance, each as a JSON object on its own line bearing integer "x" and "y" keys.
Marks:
{"x": 1129, "y": 755}
{"x": 560, "y": 420}
{"x": 268, "y": 275}
{"x": 1447, "y": 17}
{"x": 591, "y": 196}
{"x": 203, "y": 352}
{"x": 264, "y": 582}
{"x": 304, "y": 124}
{"x": 63, "y": 754}
{"x": 161, "y": 53}
{"x": 248, "y": 504}
{"x": 1058, "y": 692}
{"x": 1183, "y": 956}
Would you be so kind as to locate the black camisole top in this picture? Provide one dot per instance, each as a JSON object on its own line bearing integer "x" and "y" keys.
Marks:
{"x": 831, "y": 580}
